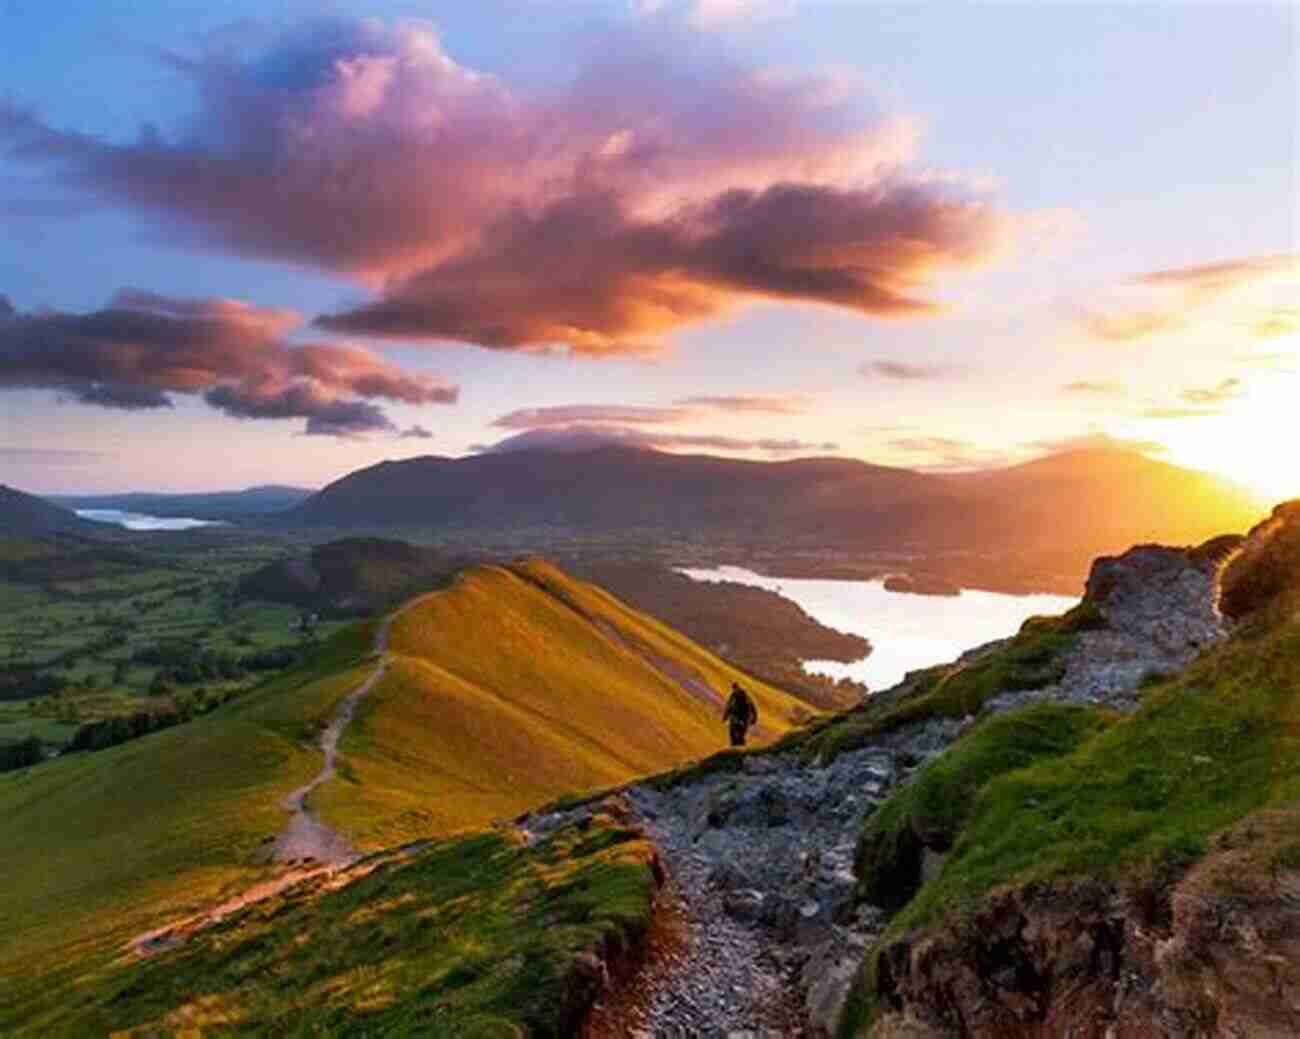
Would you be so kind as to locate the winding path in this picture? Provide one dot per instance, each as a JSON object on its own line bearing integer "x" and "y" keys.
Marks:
{"x": 314, "y": 850}
{"x": 305, "y": 836}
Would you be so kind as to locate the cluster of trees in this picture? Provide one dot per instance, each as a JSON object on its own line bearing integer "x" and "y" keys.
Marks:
{"x": 109, "y": 732}
{"x": 23, "y": 684}
{"x": 183, "y": 663}
{"x": 22, "y": 754}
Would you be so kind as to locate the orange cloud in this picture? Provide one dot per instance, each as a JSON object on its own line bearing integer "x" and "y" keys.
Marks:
{"x": 662, "y": 187}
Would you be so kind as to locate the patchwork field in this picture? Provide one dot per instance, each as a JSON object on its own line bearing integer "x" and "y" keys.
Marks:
{"x": 109, "y": 629}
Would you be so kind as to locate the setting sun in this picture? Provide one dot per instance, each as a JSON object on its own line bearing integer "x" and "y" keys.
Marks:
{"x": 1253, "y": 442}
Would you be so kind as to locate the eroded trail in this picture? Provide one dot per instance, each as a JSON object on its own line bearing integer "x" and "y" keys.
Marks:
{"x": 305, "y": 836}
{"x": 316, "y": 852}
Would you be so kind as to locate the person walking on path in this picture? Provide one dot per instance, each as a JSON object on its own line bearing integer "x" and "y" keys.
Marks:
{"x": 741, "y": 713}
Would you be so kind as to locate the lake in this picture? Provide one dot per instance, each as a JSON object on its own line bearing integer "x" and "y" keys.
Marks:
{"x": 140, "y": 521}
{"x": 907, "y": 632}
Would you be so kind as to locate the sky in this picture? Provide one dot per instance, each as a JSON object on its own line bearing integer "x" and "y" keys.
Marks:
{"x": 244, "y": 243}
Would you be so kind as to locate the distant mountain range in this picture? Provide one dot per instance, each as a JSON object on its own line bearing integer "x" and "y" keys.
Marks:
{"x": 1075, "y": 505}
{"x": 215, "y": 505}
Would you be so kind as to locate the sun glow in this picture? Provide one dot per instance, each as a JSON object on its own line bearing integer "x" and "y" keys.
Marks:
{"x": 1255, "y": 442}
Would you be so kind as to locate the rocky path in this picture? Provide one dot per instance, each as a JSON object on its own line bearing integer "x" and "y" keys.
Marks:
{"x": 305, "y": 836}
{"x": 761, "y": 861}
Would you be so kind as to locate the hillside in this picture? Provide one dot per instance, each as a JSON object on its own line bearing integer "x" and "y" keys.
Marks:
{"x": 27, "y": 514}
{"x": 511, "y": 687}
{"x": 1044, "y": 521}
{"x": 517, "y": 685}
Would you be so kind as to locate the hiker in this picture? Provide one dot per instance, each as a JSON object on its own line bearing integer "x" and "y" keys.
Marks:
{"x": 741, "y": 712}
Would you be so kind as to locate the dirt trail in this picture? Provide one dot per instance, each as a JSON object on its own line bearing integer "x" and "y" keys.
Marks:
{"x": 306, "y": 837}
{"x": 315, "y": 851}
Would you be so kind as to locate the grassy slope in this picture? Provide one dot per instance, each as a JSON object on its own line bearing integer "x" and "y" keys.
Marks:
{"x": 98, "y": 847}
{"x": 518, "y": 685}
{"x": 1134, "y": 800}
{"x": 473, "y": 937}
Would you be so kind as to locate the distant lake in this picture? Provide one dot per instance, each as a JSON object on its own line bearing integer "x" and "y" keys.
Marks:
{"x": 907, "y": 632}
{"x": 140, "y": 521}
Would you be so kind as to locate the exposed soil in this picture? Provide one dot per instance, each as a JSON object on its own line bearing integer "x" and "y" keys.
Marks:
{"x": 314, "y": 852}
{"x": 306, "y": 837}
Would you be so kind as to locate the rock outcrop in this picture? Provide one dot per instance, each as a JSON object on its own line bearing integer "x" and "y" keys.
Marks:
{"x": 1157, "y": 609}
{"x": 1093, "y": 961}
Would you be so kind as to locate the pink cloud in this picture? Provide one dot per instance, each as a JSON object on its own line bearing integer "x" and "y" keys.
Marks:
{"x": 660, "y": 187}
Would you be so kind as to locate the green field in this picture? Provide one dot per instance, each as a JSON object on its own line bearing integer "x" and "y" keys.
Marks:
{"x": 99, "y": 847}
{"x": 515, "y": 686}
{"x": 79, "y": 613}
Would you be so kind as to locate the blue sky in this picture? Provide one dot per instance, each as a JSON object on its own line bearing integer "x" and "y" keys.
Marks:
{"x": 1113, "y": 141}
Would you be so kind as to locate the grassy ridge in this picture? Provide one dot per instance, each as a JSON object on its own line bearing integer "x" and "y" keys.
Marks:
{"x": 473, "y": 937}
{"x": 99, "y": 847}
{"x": 518, "y": 685}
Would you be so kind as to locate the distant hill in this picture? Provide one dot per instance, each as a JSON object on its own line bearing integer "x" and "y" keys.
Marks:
{"x": 22, "y": 513}
{"x": 351, "y": 576}
{"x": 216, "y": 505}
{"x": 613, "y": 487}
{"x": 1077, "y": 505}
{"x": 1067, "y": 508}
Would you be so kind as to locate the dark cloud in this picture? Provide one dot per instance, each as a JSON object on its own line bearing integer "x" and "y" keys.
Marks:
{"x": 762, "y": 404}
{"x": 662, "y": 186}
{"x": 416, "y": 432}
{"x": 1109, "y": 389}
{"x": 6, "y": 307}
{"x": 1228, "y": 389}
{"x": 902, "y": 370}
{"x": 632, "y": 281}
{"x": 579, "y": 438}
{"x": 142, "y": 348}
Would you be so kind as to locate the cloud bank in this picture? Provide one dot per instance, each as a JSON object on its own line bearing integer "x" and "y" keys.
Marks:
{"x": 1248, "y": 293}
{"x": 142, "y": 348}
{"x": 662, "y": 186}
{"x": 586, "y": 438}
